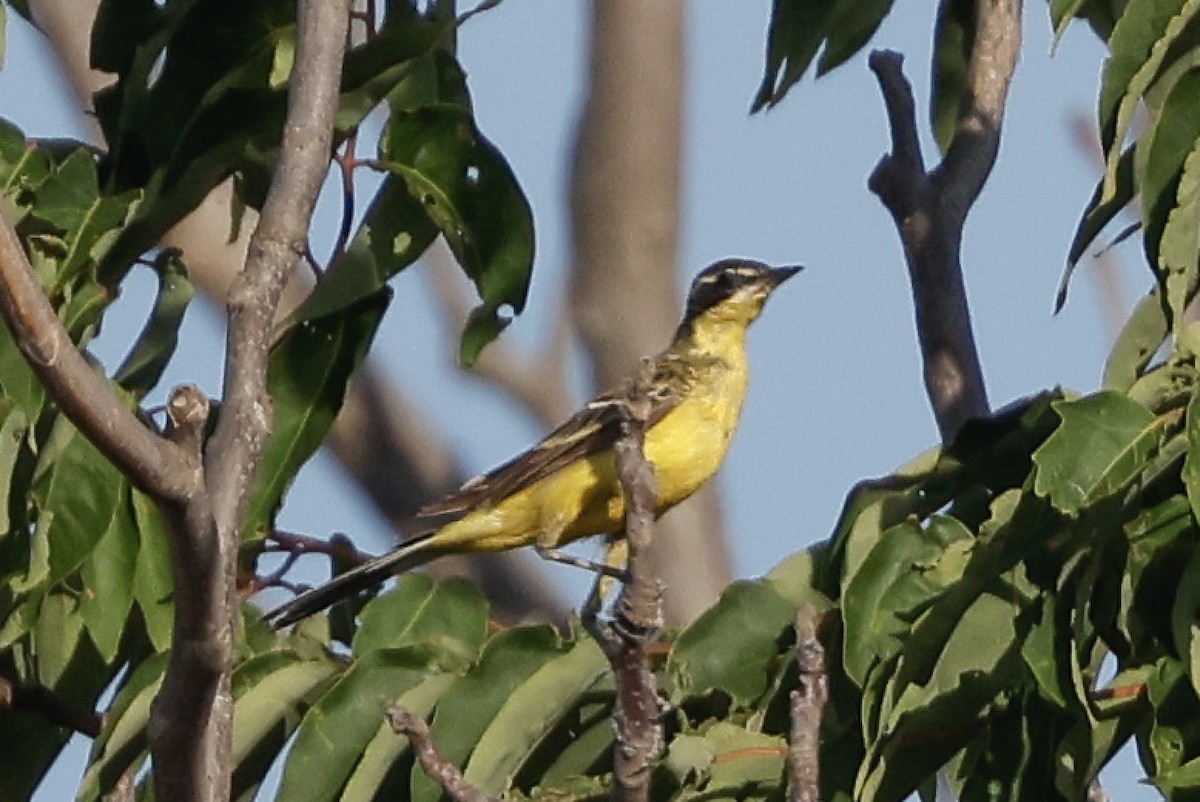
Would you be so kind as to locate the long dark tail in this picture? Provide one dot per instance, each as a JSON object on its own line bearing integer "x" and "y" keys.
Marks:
{"x": 417, "y": 551}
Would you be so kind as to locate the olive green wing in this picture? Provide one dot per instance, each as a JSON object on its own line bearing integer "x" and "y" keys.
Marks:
{"x": 592, "y": 430}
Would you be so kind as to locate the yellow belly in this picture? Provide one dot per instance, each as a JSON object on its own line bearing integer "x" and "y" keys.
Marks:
{"x": 686, "y": 448}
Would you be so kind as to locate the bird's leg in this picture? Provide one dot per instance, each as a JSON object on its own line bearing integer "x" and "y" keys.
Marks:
{"x": 616, "y": 555}
{"x": 560, "y": 556}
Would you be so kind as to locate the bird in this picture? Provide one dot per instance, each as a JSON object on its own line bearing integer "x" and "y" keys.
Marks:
{"x": 565, "y": 487}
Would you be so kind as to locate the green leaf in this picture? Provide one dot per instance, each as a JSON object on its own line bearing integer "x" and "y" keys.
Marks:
{"x": 337, "y": 729}
{"x": 122, "y": 742}
{"x": 1172, "y": 741}
{"x": 1159, "y": 547}
{"x": 1138, "y": 45}
{"x": 108, "y": 577}
{"x": 854, "y": 23}
{"x": 153, "y": 587}
{"x": 450, "y": 616}
{"x": 733, "y": 646}
{"x": 1104, "y": 442}
{"x": 530, "y": 712}
{"x": 468, "y": 190}
{"x": 1100, "y": 211}
{"x": 371, "y": 777}
{"x": 393, "y": 234}
{"x": 271, "y": 691}
{"x": 78, "y": 496}
{"x": 797, "y": 30}
{"x": 13, "y": 429}
{"x": 144, "y": 366}
{"x": 1179, "y": 248}
{"x": 307, "y": 377}
{"x": 954, "y": 38}
{"x": 872, "y": 507}
{"x": 1061, "y": 14}
{"x": 1190, "y": 473}
{"x": 1142, "y": 335}
{"x": 70, "y": 200}
{"x": 469, "y": 708}
{"x": 973, "y": 664}
{"x": 898, "y": 579}
{"x": 726, "y": 759}
{"x": 17, "y": 379}
{"x": 55, "y": 637}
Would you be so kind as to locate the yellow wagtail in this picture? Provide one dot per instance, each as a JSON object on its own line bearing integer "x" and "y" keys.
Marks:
{"x": 566, "y": 487}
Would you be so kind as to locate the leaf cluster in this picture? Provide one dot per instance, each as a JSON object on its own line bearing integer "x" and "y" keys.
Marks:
{"x": 199, "y": 99}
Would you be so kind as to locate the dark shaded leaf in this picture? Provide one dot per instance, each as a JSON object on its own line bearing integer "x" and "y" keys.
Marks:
{"x": 530, "y": 712}
{"x": 470, "y": 706}
{"x": 450, "y": 616}
{"x": 468, "y": 190}
{"x": 854, "y": 23}
{"x": 144, "y": 366}
{"x": 337, "y": 729}
{"x": 796, "y": 32}
{"x": 307, "y": 377}
{"x": 733, "y": 646}
{"x": 954, "y": 38}
{"x": 1099, "y": 213}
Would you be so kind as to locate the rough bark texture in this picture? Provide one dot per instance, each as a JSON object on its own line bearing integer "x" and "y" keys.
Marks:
{"x": 625, "y": 221}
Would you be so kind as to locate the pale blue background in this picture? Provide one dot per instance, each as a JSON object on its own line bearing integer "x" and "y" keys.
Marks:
{"x": 837, "y": 393}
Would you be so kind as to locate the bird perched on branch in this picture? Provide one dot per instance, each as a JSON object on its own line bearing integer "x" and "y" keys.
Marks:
{"x": 566, "y": 486}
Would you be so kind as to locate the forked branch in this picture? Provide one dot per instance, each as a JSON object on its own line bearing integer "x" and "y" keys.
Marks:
{"x": 930, "y": 208}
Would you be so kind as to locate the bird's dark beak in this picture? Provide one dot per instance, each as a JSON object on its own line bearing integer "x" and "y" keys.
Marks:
{"x": 782, "y": 274}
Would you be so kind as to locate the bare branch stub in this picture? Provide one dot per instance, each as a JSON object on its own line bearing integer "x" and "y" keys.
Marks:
{"x": 152, "y": 464}
{"x": 437, "y": 767}
{"x": 930, "y": 207}
{"x": 808, "y": 707}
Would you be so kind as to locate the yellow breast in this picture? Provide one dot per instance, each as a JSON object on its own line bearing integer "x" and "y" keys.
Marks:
{"x": 686, "y": 448}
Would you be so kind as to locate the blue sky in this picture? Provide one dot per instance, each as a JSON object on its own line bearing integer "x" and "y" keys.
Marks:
{"x": 836, "y": 394}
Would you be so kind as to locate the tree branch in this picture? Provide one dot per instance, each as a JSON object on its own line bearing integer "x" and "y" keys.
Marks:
{"x": 808, "y": 708}
{"x": 637, "y": 717}
{"x": 152, "y": 464}
{"x": 440, "y": 770}
{"x": 278, "y": 242}
{"x": 45, "y": 703}
{"x": 930, "y": 209}
{"x": 192, "y": 722}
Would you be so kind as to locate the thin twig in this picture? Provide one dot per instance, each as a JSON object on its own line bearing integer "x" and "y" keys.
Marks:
{"x": 930, "y": 208}
{"x": 440, "y": 770}
{"x": 346, "y": 161}
{"x": 45, "y": 703}
{"x": 152, "y": 464}
{"x": 808, "y": 707}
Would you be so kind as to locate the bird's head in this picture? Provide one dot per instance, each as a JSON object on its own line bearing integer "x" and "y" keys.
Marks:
{"x": 733, "y": 291}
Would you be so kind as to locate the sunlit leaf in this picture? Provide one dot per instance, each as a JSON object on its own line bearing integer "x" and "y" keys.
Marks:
{"x": 1104, "y": 441}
